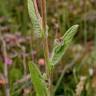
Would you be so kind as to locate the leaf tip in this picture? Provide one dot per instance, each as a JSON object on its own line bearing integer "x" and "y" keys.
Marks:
{"x": 76, "y": 26}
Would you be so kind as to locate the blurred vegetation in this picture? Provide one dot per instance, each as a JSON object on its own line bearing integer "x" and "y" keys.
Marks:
{"x": 16, "y": 29}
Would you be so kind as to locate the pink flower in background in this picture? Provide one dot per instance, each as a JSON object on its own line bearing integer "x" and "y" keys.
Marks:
{"x": 8, "y": 60}
{"x": 41, "y": 61}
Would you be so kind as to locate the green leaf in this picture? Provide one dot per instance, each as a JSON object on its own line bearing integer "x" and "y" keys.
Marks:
{"x": 37, "y": 80}
{"x": 35, "y": 17}
{"x": 62, "y": 44}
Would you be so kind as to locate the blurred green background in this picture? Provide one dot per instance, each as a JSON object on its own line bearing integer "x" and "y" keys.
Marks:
{"x": 61, "y": 14}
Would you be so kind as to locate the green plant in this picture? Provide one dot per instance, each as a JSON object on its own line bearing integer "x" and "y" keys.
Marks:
{"x": 40, "y": 28}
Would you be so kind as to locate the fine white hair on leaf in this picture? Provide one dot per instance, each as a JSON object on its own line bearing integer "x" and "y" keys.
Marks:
{"x": 35, "y": 18}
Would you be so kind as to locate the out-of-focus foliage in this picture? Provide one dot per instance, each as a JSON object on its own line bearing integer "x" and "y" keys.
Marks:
{"x": 16, "y": 29}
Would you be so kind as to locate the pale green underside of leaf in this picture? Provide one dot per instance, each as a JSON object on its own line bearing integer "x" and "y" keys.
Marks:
{"x": 37, "y": 80}
{"x": 34, "y": 19}
{"x": 60, "y": 48}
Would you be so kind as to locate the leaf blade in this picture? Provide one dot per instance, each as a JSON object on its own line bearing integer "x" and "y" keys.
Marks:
{"x": 35, "y": 19}
{"x": 60, "y": 48}
{"x": 37, "y": 80}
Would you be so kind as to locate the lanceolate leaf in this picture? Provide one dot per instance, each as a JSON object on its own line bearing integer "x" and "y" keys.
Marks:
{"x": 37, "y": 80}
{"x": 35, "y": 17}
{"x": 61, "y": 45}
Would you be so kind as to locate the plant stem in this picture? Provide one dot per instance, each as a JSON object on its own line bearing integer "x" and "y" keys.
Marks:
{"x": 7, "y": 89}
{"x": 24, "y": 60}
{"x": 45, "y": 41}
{"x": 43, "y": 13}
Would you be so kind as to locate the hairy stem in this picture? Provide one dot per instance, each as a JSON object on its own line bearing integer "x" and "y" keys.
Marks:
{"x": 45, "y": 41}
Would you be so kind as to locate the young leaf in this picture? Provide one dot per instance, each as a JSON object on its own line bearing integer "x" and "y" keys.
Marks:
{"x": 61, "y": 45}
{"x": 37, "y": 80}
{"x": 35, "y": 17}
